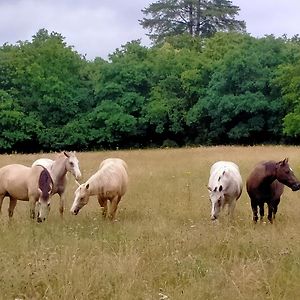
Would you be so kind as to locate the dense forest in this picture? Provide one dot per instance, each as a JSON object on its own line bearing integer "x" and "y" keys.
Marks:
{"x": 228, "y": 88}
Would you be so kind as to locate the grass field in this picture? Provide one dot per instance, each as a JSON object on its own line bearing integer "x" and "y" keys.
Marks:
{"x": 163, "y": 245}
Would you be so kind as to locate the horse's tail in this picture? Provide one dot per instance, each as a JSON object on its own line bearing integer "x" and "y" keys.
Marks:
{"x": 45, "y": 183}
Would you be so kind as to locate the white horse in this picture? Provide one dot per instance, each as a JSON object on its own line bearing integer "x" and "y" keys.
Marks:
{"x": 225, "y": 187}
{"x": 58, "y": 168}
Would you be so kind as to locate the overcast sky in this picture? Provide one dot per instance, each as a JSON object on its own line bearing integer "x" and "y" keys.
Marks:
{"x": 98, "y": 27}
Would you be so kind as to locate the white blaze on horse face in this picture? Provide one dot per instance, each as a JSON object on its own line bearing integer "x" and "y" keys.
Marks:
{"x": 216, "y": 196}
{"x": 81, "y": 198}
{"x": 73, "y": 167}
{"x": 43, "y": 209}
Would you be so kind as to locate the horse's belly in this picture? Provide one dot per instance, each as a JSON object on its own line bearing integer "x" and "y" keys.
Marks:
{"x": 19, "y": 195}
{"x": 17, "y": 191}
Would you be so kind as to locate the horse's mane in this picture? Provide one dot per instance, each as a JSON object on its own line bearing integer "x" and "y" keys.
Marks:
{"x": 45, "y": 183}
{"x": 270, "y": 165}
{"x": 59, "y": 155}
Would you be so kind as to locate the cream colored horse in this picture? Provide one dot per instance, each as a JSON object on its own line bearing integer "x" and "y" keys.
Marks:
{"x": 58, "y": 168}
{"x": 109, "y": 184}
{"x": 33, "y": 184}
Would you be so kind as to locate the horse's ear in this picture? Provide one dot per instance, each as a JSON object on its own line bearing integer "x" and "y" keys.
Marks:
{"x": 40, "y": 191}
{"x": 283, "y": 162}
{"x": 66, "y": 154}
{"x": 87, "y": 186}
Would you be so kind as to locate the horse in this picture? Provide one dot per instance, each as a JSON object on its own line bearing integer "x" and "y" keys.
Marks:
{"x": 265, "y": 184}
{"x": 225, "y": 187}
{"x": 109, "y": 183}
{"x": 33, "y": 184}
{"x": 58, "y": 168}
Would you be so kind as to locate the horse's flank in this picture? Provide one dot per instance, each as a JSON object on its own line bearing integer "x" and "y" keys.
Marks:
{"x": 22, "y": 183}
{"x": 265, "y": 184}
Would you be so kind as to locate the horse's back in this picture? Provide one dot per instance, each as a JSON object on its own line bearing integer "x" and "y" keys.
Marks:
{"x": 113, "y": 174}
{"x": 256, "y": 184}
{"x": 220, "y": 167}
{"x": 16, "y": 180}
{"x": 115, "y": 161}
{"x": 45, "y": 162}
{"x": 227, "y": 174}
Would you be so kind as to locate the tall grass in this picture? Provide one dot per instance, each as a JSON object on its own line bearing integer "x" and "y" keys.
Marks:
{"x": 163, "y": 244}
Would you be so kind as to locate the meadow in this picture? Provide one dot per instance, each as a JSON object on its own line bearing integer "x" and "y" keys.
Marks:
{"x": 163, "y": 244}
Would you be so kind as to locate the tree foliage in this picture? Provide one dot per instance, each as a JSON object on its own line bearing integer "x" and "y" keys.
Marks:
{"x": 196, "y": 17}
{"x": 230, "y": 88}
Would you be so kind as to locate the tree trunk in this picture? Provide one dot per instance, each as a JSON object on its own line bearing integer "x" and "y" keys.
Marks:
{"x": 198, "y": 18}
{"x": 190, "y": 25}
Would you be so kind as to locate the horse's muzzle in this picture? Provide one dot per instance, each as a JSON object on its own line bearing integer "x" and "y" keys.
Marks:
{"x": 213, "y": 218}
{"x": 40, "y": 220}
{"x": 75, "y": 211}
{"x": 296, "y": 187}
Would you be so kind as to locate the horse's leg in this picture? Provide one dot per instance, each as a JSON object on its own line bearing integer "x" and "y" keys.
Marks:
{"x": 270, "y": 212}
{"x": 231, "y": 207}
{"x": 261, "y": 211}
{"x": 254, "y": 210}
{"x": 12, "y": 205}
{"x": 275, "y": 207}
{"x": 1, "y": 201}
{"x": 103, "y": 203}
{"x": 113, "y": 207}
{"x": 32, "y": 203}
{"x": 62, "y": 203}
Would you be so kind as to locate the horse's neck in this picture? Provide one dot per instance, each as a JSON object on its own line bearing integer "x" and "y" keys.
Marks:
{"x": 58, "y": 168}
{"x": 94, "y": 184}
{"x": 270, "y": 173}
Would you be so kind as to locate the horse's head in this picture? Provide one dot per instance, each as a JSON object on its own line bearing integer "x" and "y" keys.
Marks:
{"x": 45, "y": 189}
{"x": 285, "y": 175}
{"x": 43, "y": 208}
{"x": 72, "y": 164}
{"x": 216, "y": 196}
{"x": 81, "y": 198}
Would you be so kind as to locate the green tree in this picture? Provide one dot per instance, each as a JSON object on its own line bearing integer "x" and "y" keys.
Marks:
{"x": 197, "y": 17}
{"x": 47, "y": 80}
{"x": 242, "y": 104}
{"x": 288, "y": 79}
{"x": 18, "y": 131}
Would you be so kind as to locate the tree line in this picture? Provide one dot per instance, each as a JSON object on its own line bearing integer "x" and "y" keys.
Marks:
{"x": 228, "y": 88}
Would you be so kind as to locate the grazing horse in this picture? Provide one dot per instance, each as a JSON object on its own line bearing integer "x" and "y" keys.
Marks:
{"x": 58, "y": 168}
{"x": 109, "y": 184}
{"x": 33, "y": 184}
{"x": 265, "y": 184}
{"x": 225, "y": 187}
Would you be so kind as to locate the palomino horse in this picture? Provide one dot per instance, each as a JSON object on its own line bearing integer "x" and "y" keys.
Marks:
{"x": 33, "y": 184}
{"x": 109, "y": 184}
{"x": 265, "y": 184}
{"x": 58, "y": 168}
{"x": 225, "y": 187}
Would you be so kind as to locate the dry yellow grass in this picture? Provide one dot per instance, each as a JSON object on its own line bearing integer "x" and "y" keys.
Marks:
{"x": 164, "y": 242}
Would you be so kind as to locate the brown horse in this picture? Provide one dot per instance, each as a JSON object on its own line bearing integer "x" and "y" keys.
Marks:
{"x": 265, "y": 184}
{"x": 33, "y": 184}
